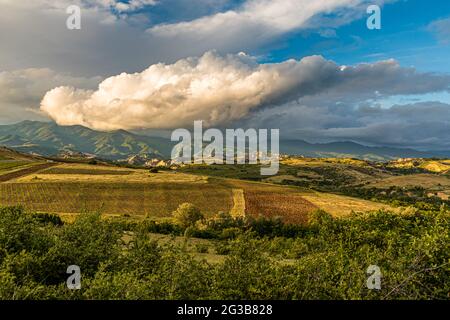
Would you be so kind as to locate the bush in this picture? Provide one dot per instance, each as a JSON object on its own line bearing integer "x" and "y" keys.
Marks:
{"x": 201, "y": 248}
{"x": 328, "y": 259}
{"x": 164, "y": 227}
{"x": 320, "y": 219}
{"x": 187, "y": 215}
{"x": 48, "y": 218}
{"x": 230, "y": 233}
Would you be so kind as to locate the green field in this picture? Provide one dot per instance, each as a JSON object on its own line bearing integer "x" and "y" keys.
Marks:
{"x": 6, "y": 165}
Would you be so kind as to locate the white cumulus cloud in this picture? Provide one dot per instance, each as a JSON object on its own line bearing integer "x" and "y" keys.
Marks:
{"x": 221, "y": 89}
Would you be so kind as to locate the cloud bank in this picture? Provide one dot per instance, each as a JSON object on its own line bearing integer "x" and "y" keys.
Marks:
{"x": 22, "y": 91}
{"x": 223, "y": 89}
{"x": 258, "y": 22}
{"x": 118, "y": 35}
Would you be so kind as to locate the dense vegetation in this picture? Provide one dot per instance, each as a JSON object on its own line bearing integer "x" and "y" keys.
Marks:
{"x": 263, "y": 259}
{"x": 399, "y": 196}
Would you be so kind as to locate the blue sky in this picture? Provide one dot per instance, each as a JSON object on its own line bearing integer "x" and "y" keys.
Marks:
{"x": 405, "y": 35}
{"x": 161, "y": 64}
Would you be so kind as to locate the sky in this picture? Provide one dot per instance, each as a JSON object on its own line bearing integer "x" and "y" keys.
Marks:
{"x": 311, "y": 68}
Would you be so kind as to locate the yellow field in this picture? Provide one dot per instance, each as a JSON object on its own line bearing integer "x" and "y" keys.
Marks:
{"x": 425, "y": 180}
{"x": 437, "y": 166}
{"x": 339, "y": 206}
{"x": 89, "y": 173}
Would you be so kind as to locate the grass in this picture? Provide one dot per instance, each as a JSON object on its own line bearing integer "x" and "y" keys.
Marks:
{"x": 340, "y": 206}
{"x": 11, "y": 164}
{"x": 428, "y": 181}
{"x": 201, "y": 249}
{"x": 88, "y": 173}
{"x": 85, "y": 171}
{"x": 298, "y": 170}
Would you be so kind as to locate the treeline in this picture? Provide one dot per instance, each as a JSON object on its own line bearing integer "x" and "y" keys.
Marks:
{"x": 223, "y": 227}
{"x": 328, "y": 259}
{"x": 416, "y": 196}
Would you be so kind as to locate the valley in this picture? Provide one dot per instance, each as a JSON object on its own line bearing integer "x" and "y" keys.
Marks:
{"x": 317, "y": 220}
{"x": 71, "y": 188}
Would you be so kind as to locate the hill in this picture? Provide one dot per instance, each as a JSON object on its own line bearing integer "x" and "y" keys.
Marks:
{"x": 7, "y": 154}
{"x": 348, "y": 149}
{"x": 49, "y": 139}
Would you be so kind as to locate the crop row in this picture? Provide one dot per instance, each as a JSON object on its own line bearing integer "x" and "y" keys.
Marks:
{"x": 115, "y": 198}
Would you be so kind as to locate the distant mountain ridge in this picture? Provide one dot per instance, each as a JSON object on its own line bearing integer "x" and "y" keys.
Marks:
{"x": 350, "y": 149}
{"x": 49, "y": 139}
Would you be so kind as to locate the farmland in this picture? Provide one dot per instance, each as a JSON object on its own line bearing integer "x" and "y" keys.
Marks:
{"x": 249, "y": 233}
{"x": 113, "y": 191}
{"x": 6, "y": 165}
{"x": 157, "y": 200}
{"x": 72, "y": 188}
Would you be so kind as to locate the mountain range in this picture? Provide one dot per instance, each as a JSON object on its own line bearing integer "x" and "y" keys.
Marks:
{"x": 49, "y": 139}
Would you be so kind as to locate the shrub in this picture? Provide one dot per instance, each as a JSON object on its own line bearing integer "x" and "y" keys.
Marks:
{"x": 230, "y": 233}
{"x": 201, "y": 248}
{"x": 320, "y": 218}
{"x": 48, "y": 218}
{"x": 328, "y": 258}
{"x": 163, "y": 227}
{"x": 187, "y": 215}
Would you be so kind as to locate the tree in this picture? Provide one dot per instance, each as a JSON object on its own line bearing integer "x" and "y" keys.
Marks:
{"x": 187, "y": 215}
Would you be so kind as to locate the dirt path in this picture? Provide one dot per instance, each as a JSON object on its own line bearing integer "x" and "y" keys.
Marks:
{"x": 25, "y": 172}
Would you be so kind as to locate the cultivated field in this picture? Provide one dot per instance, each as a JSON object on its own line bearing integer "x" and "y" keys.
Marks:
{"x": 293, "y": 205}
{"x": 74, "y": 188}
{"x": 157, "y": 199}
